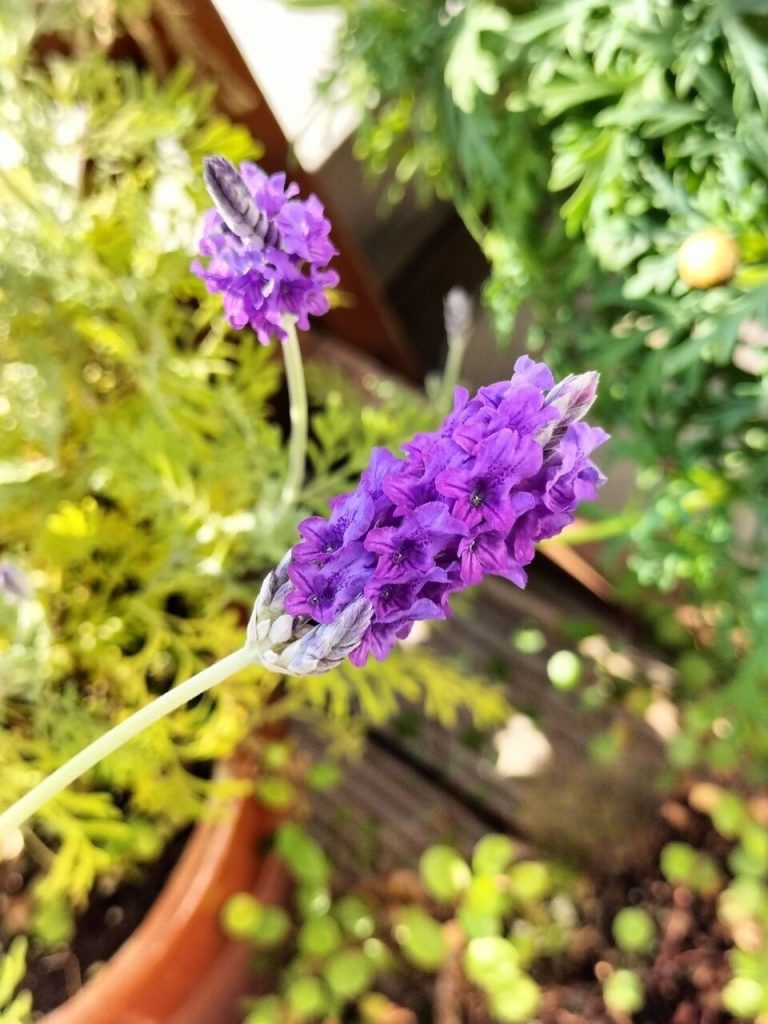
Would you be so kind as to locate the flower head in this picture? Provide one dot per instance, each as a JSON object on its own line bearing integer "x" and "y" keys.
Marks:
{"x": 267, "y": 249}
{"x": 505, "y": 470}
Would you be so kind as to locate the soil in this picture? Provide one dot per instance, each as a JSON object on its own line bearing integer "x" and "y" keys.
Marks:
{"x": 682, "y": 980}
{"x": 53, "y": 976}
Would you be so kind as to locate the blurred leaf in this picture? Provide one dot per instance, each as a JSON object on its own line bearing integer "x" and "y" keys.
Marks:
{"x": 349, "y": 974}
{"x": 623, "y": 992}
{"x": 444, "y": 872}
{"x": 634, "y": 930}
{"x": 307, "y": 997}
{"x": 517, "y": 1002}
{"x": 302, "y": 854}
{"x": 492, "y": 854}
{"x": 681, "y": 864}
{"x": 320, "y": 937}
{"x": 242, "y": 915}
{"x": 492, "y": 963}
{"x": 470, "y": 67}
{"x": 421, "y": 938}
{"x": 355, "y": 917}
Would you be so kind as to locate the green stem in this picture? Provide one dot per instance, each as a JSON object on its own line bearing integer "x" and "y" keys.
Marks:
{"x": 31, "y": 802}
{"x": 299, "y": 416}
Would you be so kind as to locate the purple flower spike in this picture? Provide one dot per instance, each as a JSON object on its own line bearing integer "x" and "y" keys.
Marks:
{"x": 267, "y": 250}
{"x": 506, "y": 469}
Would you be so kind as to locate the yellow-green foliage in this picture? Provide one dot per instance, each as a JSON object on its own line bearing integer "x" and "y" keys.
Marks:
{"x": 137, "y": 442}
{"x": 15, "y": 1007}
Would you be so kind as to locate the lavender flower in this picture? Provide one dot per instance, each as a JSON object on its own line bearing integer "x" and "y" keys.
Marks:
{"x": 268, "y": 250}
{"x": 506, "y": 469}
{"x": 297, "y": 645}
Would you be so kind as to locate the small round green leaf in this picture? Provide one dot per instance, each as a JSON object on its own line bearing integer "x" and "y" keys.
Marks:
{"x": 273, "y": 928}
{"x": 518, "y": 1002}
{"x": 307, "y": 997}
{"x": 623, "y": 992}
{"x": 492, "y": 855}
{"x": 634, "y": 930}
{"x": 491, "y": 963}
{"x": 241, "y": 915}
{"x": 476, "y": 924}
{"x": 681, "y": 864}
{"x": 529, "y": 641}
{"x": 302, "y": 854}
{"x": 745, "y": 899}
{"x": 744, "y": 997}
{"x": 751, "y": 855}
{"x": 320, "y": 937}
{"x": 313, "y": 901}
{"x": 564, "y": 670}
{"x": 730, "y": 815}
{"x": 529, "y": 881}
{"x": 379, "y": 954}
{"x": 421, "y": 938}
{"x": 355, "y": 917}
{"x": 487, "y": 894}
{"x": 276, "y": 756}
{"x": 695, "y": 669}
{"x": 349, "y": 974}
{"x": 275, "y": 791}
{"x": 444, "y": 872}
{"x": 264, "y": 1011}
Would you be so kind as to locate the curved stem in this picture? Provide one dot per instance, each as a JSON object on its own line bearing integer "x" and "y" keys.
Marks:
{"x": 32, "y": 801}
{"x": 299, "y": 416}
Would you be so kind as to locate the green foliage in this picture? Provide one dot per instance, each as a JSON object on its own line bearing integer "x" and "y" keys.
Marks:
{"x": 489, "y": 922}
{"x": 117, "y": 383}
{"x": 444, "y": 873}
{"x": 564, "y": 670}
{"x": 683, "y": 864}
{"x": 744, "y": 997}
{"x": 529, "y": 640}
{"x": 412, "y": 674}
{"x": 420, "y": 938}
{"x": 15, "y": 1007}
{"x": 634, "y": 930}
{"x": 492, "y": 854}
{"x": 582, "y": 142}
{"x": 623, "y": 992}
{"x": 302, "y": 854}
{"x": 246, "y": 917}
{"x": 320, "y": 937}
{"x": 517, "y": 1001}
{"x": 740, "y": 898}
{"x": 742, "y": 904}
{"x": 349, "y": 974}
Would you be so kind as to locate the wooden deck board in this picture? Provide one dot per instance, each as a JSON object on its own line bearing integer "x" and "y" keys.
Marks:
{"x": 412, "y": 789}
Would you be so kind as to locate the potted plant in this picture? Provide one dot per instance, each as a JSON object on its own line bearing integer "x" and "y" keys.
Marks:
{"x": 146, "y": 490}
{"x": 143, "y": 494}
{"x": 112, "y": 360}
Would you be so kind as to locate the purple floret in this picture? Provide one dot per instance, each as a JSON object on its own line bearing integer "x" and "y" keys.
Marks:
{"x": 506, "y": 469}
{"x": 267, "y": 250}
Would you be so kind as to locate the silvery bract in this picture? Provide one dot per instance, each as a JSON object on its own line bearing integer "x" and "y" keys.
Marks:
{"x": 294, "y": 644}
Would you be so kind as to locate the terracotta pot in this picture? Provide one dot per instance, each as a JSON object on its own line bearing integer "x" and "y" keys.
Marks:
{"x": 179, "y": 967}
